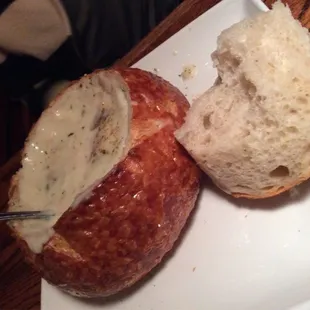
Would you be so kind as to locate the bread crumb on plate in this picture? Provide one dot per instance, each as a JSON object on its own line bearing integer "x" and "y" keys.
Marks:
{"x": 189, "y": 71}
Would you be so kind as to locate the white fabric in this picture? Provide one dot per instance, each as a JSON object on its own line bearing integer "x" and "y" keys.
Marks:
{"x": 33, "y": 27}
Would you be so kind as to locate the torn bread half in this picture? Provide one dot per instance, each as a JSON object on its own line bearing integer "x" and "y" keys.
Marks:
{"x": 250, "y": 132}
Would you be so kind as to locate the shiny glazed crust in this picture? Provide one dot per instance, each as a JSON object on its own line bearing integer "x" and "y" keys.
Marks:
{"x": 133, "y": 218}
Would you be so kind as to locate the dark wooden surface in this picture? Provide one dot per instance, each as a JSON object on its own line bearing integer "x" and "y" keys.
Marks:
{"x": 19, "y": 284}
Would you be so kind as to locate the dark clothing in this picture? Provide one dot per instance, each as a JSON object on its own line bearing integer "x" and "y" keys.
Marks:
{"x": 88, "y": 34}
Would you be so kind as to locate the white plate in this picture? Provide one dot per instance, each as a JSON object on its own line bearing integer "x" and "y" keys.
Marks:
{"x": 234, "y": 255}
{"x": 260, "y": 5}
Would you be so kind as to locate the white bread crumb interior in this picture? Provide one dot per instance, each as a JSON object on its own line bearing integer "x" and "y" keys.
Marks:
{"x": 250, "y": 132}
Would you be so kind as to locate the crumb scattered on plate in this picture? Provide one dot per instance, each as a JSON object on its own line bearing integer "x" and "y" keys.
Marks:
{"x": 175, "y": 53}
{"x": 189, "y": 71}
{"x": 156, "y": 70}
{"x": 194, "y": 269}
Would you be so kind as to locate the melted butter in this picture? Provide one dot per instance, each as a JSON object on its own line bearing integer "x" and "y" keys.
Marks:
{"x": 76, "y": 142}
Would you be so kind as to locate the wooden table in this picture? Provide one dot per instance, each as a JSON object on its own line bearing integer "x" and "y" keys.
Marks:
{"x": 20, "y": 285}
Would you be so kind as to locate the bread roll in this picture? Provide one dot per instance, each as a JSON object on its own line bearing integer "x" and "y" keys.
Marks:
{"x": 250, "y": 131}
{"x": 103, "y": 159}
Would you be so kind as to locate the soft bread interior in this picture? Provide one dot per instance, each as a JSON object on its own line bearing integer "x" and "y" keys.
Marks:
{"x": 250, "y": 131}
{"x": 76, "y": 142}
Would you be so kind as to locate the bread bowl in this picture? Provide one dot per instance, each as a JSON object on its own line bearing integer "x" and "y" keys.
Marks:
{"x": 115, "y": 216}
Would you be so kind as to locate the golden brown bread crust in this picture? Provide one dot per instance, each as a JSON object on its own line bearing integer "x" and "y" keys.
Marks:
{"x": 133, "y": 218}
{"x": 272, "y": 192}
